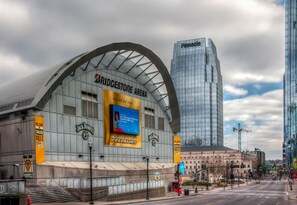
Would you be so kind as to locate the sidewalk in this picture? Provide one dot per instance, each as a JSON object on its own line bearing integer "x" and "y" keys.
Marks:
{"x": 169, "y": 195}
{"x": 292, "y": 193}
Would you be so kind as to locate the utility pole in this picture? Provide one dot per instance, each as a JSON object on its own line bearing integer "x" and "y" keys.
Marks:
{"x": 238, "y": 129}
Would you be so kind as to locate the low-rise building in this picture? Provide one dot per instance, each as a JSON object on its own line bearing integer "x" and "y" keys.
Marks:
{"x": 218, "y": 162}
{"x": 260, "y": 155}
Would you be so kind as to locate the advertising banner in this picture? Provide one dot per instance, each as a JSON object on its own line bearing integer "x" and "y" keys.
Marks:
{"x": 39, "y": 138}
{"x": 122, "y": 120}
{"x": 177, "y": 150}
{"x": 28, "y": 166}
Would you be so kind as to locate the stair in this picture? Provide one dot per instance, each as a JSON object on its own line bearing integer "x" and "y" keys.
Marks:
{"x": 39, "y": 194}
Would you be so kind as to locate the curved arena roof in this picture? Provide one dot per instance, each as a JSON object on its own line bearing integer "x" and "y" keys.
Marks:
{"x": 132, "y": 59}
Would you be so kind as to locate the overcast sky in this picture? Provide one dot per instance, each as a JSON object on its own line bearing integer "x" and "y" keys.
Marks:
{"x": 248, "y": 34}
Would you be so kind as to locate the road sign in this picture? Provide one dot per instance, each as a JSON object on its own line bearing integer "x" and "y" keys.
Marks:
{"x": 182, "y": 167}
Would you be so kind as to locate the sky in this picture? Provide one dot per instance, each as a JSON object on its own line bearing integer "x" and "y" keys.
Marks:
{"x": 249, "y": 36}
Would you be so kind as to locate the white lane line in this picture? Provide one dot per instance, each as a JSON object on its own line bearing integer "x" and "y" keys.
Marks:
{"x": 261, "y": 196}
{"x": 277, "y": 203}
{"x": 261, "y": 203}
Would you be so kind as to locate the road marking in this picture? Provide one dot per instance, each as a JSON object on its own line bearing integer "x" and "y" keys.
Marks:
{"x": 261, "y": 196}
{"x": 277, "y": 203}
{"x": 261, "y": 203}
{"x": 217, "y": 202}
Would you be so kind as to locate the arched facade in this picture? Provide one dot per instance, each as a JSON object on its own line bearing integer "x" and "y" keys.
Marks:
{"x": 53, "y": 115}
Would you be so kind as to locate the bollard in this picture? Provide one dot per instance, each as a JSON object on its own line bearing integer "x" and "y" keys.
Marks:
{"x": 196, "y": 190}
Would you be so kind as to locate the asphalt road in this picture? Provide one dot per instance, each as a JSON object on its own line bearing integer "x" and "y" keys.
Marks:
{"x": 265, "y": 193}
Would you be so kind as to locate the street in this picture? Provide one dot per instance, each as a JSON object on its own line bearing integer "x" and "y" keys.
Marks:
{"x": 265, "y": 193}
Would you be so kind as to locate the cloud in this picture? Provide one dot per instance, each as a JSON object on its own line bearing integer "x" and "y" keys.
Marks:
{"x": 12, "y": 67}
{"x": 248, "y": 34}
{"x": 263, "y": 116}
{"x": 235, "y": 91}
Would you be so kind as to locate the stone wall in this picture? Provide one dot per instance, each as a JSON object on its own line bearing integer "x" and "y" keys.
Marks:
{"x": 99, "y": 193}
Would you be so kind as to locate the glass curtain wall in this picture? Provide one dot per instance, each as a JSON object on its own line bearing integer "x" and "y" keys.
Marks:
{"x": 195, "y": 71}
{"x": 290, "y": 89}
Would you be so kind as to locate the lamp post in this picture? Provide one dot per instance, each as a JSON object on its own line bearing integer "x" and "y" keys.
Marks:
{"x": 91, "y": 177}
{"x": 196, "y": 178}
{"x": 147, "y": 176}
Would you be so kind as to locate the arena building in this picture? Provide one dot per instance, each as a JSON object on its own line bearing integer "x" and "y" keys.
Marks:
{"x": 117, "y": 102}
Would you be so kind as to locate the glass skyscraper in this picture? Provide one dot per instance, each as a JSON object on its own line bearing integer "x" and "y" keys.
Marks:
{"x": 290, "y": 85}
{"x": 196, "y": 74}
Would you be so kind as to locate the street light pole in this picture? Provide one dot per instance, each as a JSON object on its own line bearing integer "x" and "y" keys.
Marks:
{"x": 91, "y": 177}
{"x": 147, "y": 176}
{"x": 196, "y": 189}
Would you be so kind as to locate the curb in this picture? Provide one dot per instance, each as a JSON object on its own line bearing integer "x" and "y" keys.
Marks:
{"x": 156, "y": 199}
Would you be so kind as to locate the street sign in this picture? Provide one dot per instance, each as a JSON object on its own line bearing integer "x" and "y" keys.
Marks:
{"x": 182, "y": 167}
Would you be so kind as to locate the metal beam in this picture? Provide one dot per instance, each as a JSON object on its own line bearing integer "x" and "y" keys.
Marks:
{"x": 100, "y": 60}
{"x": 144, "y": 70}
{"x": 151, "y": 79}
{"x": 162, "y": 83}
{"x": 134, "y": 64}
{"x": 113, "y": 59}
{"x": 124, "y": 60}
{"x": 144, "y": 63}
{"x": 135, "y": 56}
{"x": 162, "y": 98}
{"x": 84, "y": 69}
{"x": 152, "y": 72}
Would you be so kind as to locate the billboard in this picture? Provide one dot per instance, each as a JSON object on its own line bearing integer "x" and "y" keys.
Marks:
{"x": 39, "y": 138}
{"x": 122, "y": 120}
{"x": 177, "y": 150}
{"x": 28, "y": 166}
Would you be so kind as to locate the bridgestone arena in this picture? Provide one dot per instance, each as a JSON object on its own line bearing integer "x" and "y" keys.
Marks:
{"x": 114, "y": 108}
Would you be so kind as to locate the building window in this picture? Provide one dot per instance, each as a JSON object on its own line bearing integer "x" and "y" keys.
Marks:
{"x": 70, "y": 110}
{"x": 161, "y": 123}
{"x": 89, "y": 105}
{"x": 149, "y": 115}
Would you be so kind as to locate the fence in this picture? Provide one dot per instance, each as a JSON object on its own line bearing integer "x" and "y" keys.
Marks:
{"x": 85, "y": 183}
{"x": 134, "y": 187}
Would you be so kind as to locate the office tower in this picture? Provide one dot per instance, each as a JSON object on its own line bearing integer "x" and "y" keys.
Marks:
{"x": 290, "y": 85}
{"x": 196, "y": 74}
